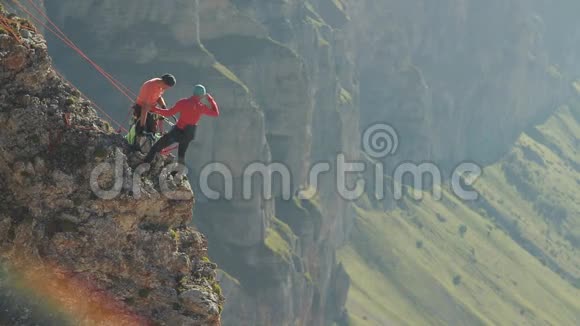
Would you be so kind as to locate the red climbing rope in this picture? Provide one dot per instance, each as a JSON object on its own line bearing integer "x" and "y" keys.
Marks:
{"x": 121, "y": 128}
{"x": 60, "y": 35}
{"x": 56, "y": 31}
{"x": 168, "y": 150}
{"x": 69, "y": 42}
{"x": 5, "y": 22}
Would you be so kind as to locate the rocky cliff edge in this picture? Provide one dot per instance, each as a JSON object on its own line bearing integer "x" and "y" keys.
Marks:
{"x": 69, "y": 252}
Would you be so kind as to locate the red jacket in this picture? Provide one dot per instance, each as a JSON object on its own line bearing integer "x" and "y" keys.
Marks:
{"x": 191, "y": 110}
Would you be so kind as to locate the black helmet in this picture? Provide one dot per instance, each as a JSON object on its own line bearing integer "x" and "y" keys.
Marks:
{"x": 169, "y": 80}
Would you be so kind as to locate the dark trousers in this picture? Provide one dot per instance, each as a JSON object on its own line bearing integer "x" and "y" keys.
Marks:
{"x": 149, "y": 123}
{"x": 176, "y": 135}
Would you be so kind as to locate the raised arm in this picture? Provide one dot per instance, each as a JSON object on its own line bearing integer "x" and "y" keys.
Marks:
{"x": 214, "y": 111}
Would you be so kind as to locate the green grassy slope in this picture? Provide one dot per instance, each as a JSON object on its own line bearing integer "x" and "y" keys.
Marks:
{"x": 534, "y": 192}
{"x": 515, "y": 263}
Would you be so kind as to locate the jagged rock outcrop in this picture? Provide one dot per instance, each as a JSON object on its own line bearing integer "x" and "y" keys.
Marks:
{"x": 100, "y": 258}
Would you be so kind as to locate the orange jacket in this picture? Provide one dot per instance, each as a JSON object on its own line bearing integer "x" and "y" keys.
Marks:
{"x": 150, "y": 92}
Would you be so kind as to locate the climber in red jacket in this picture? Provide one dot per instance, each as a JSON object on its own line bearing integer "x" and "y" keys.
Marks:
{"x": 190, "y": 110}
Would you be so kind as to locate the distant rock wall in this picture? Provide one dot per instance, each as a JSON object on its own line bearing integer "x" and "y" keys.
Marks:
{"x": 458, "y": 79}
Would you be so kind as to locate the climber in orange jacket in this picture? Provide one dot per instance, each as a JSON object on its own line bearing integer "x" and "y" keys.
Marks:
{"x": 190, "y": 109}
{"x": 150, "y": 95}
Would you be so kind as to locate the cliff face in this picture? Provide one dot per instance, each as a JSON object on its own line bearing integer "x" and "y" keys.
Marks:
{"x": 281, "y": 101}
{"x": 67, "y": 255}
{"x": 297, "y": 71}
{"x": 296, "y": 82}
{"x": 459, "y": 79}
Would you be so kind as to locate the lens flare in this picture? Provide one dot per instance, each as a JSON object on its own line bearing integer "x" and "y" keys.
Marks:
{"x": 72, "y": 295}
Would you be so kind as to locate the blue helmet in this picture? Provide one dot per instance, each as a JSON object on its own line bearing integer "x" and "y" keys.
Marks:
{"x": 199, "y": 90}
